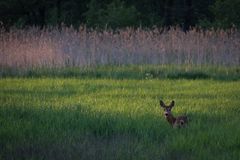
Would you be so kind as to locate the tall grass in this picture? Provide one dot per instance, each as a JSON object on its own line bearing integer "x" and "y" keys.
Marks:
{"x": 52, "y": 47}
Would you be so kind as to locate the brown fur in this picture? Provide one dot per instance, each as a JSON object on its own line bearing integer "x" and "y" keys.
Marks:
{"x": 177, "y": 122}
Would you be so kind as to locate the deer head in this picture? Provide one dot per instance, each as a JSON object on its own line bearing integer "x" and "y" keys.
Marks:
{"x": 167, "y": 108}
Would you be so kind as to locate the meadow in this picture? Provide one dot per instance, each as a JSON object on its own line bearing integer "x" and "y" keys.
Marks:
{"x": 72, "y": 118}
{"x": 70, "y": 93}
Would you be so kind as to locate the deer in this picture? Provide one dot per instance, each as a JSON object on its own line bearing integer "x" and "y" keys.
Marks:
{"x": 176, "y": 122}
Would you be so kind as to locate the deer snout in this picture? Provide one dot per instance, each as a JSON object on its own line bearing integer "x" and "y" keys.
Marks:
{"x": 166, "y": 114}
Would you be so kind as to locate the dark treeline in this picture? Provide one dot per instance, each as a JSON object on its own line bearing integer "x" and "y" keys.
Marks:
{"x": 120, "y": 13}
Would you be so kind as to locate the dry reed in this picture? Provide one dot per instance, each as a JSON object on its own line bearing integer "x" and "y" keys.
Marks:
{"x": 51, "y": 47}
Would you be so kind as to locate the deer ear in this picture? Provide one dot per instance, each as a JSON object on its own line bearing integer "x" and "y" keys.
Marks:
{"x": 162, "y": 104}
{"x": 172, "y": 104}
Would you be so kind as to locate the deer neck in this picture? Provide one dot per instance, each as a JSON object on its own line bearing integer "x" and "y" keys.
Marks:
{"x": 171, "y": 119}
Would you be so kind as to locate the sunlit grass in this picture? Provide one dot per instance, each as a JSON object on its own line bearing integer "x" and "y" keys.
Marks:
{"x": 117, "y": 119}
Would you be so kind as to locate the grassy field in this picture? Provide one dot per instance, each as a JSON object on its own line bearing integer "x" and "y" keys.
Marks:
{"x": 129, "y": 72}
{"x": 88, "y": 94}
{"x": 71, "y": 118}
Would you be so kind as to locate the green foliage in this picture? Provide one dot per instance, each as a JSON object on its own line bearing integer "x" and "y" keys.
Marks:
{"x": 121, "y": 13}
{"x": 116, "y": 14}
{"x": 117, "y": 119}
{"x": 227, "y": 13}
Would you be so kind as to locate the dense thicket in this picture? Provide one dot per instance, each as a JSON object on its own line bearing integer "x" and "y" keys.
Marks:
{"x": 121, "y": 13}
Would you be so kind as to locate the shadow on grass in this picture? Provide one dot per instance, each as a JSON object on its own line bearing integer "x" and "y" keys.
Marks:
{"x": 77, "y": 132}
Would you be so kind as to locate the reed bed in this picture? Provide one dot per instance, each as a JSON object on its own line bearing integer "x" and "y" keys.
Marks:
{"x": 69, "y": 47}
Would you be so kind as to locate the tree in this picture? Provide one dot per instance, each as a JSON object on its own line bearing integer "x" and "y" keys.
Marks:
{"x": 42, "y": 12}
{"x": 227, "y": 13}
{"x": 24, "y": 12}
{"x": 115, "y": 14}
{"x": 121, "y": 13}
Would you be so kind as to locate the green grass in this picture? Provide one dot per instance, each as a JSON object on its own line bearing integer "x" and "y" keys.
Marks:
{"x": 70, "y": 118}
{"x": 129, "y": 72}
